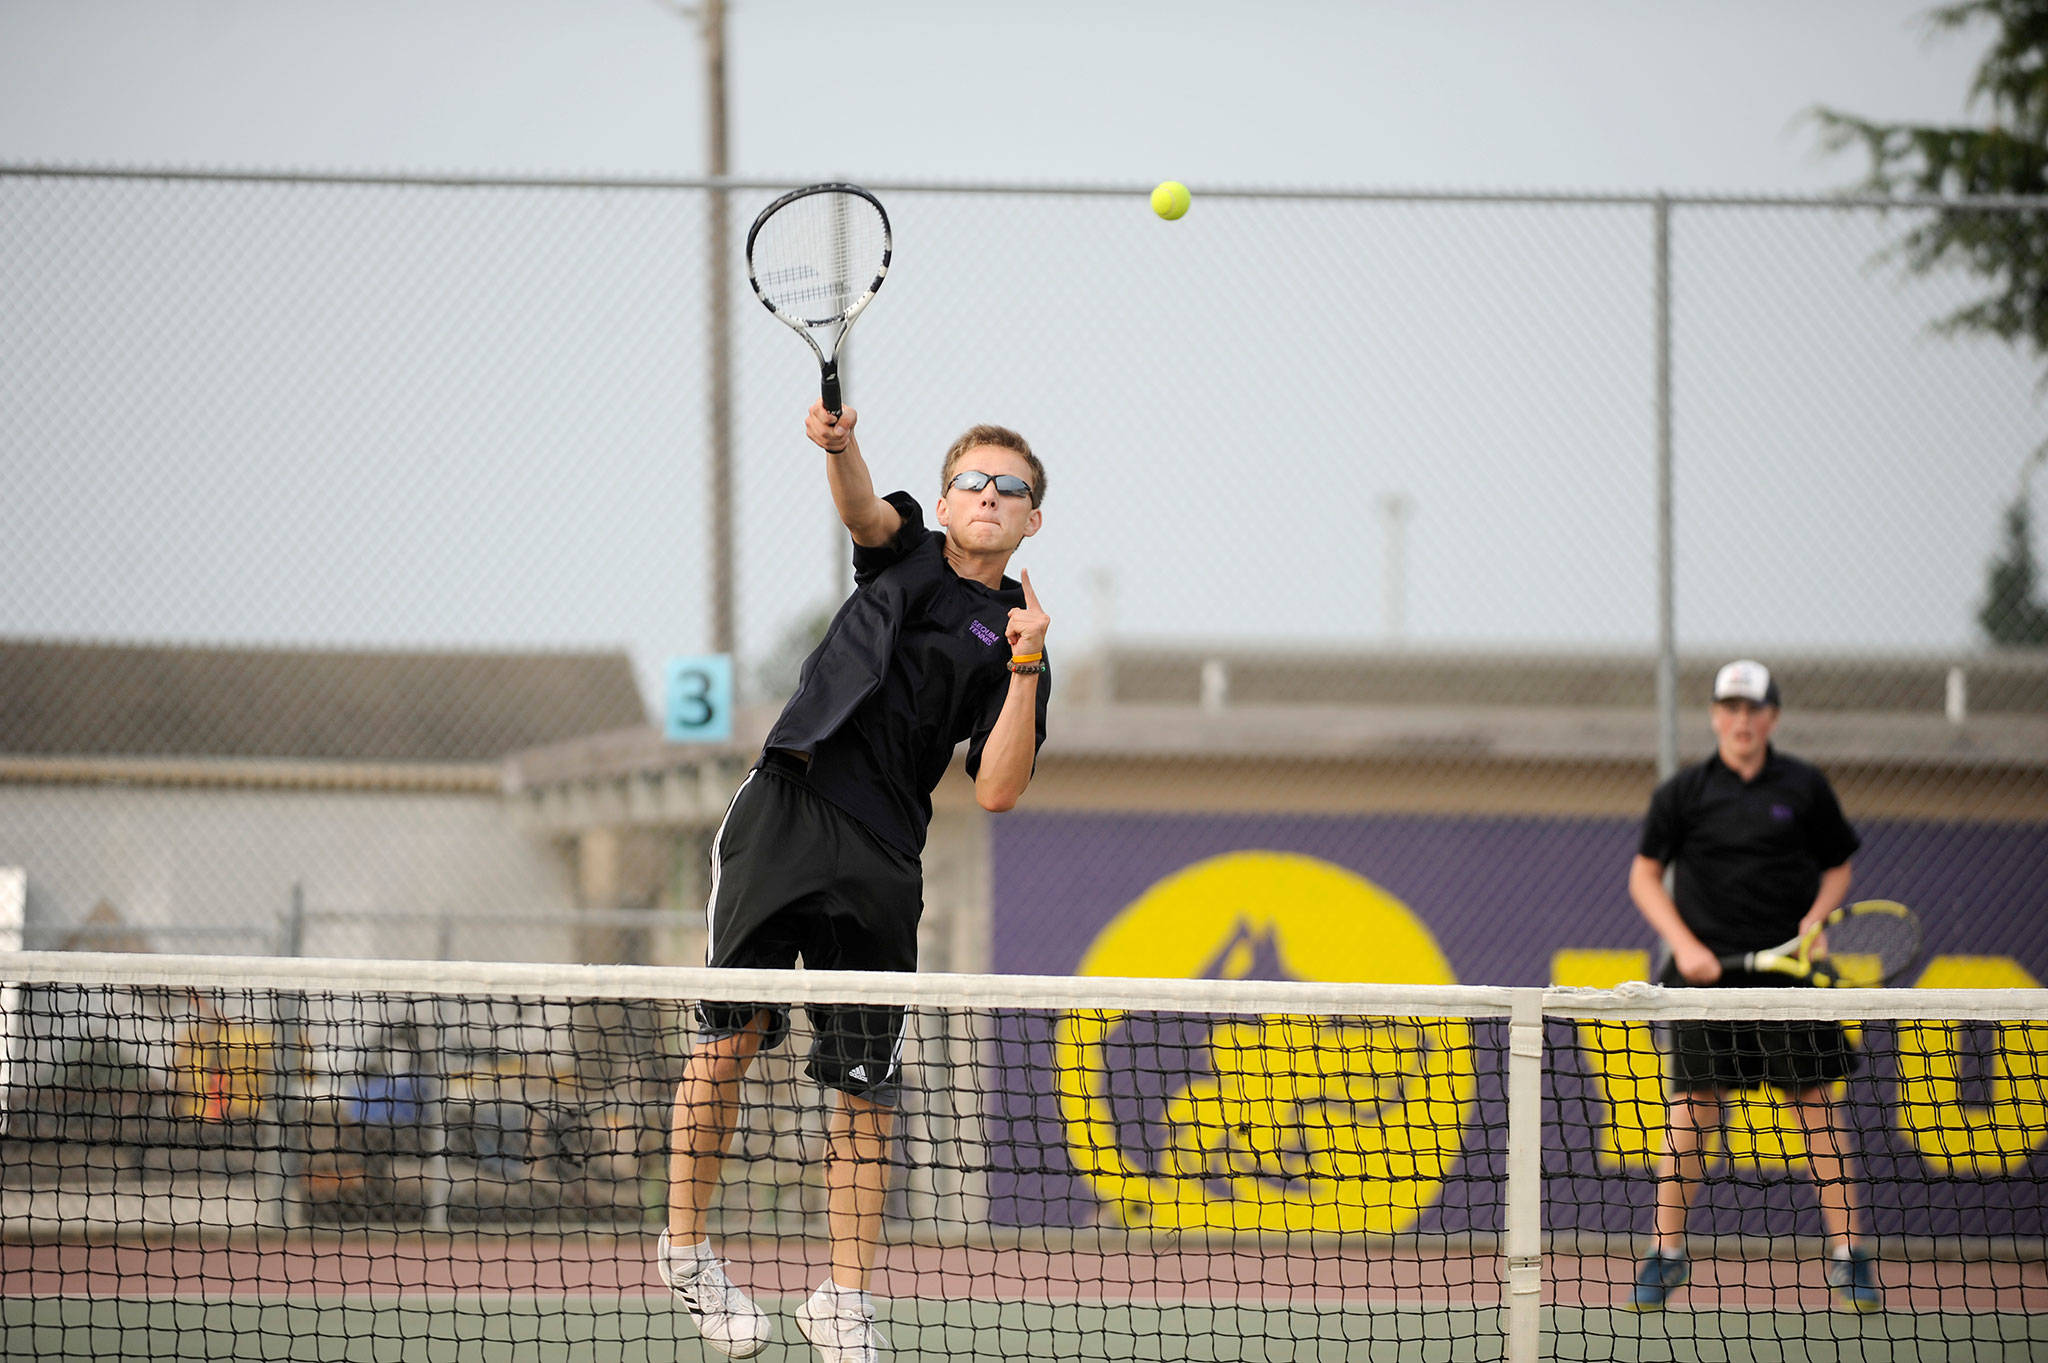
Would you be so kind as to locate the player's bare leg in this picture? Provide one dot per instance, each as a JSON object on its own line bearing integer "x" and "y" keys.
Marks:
{"x": 1833, "y": 1184}
{"x": 706, "y": 1110}
{"x": 1852, "y": 1269}
{"x": 856, "y": 1183}
{"x": 839, "y": 1317}
{"x": 700, "y": 1128}
{"x": 1679, "y": 1172}
{"x": 1682, "y": 1166}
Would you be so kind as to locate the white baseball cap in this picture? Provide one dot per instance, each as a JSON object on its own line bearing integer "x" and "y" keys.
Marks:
{"x": 1746, "y": 679}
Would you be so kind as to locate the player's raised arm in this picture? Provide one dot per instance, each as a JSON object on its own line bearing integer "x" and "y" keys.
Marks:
{"x": 869, "y": 519}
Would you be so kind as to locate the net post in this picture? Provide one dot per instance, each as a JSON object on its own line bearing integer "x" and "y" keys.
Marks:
{"x": 1522, "y": 1243}
{"x": 432, "y": 1061}
{"x": 276, "y": 1207}
{"x": 13, "y": 937}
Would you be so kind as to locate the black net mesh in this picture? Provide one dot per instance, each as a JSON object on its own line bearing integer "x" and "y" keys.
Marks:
{"x": 439, "y": 1169}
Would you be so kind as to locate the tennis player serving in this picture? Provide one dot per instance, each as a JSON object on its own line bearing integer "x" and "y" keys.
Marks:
{"x": 818, "y": 855}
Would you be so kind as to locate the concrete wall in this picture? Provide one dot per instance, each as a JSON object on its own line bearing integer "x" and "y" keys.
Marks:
{"x": 215, "y": 870}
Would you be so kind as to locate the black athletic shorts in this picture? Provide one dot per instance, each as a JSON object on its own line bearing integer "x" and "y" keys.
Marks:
{"x": 1715, "y": 1054}
{"x": 793, "y": 875}
{"x": 1788, "y": 1055}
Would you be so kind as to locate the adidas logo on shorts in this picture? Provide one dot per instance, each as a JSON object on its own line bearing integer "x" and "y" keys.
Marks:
{"x": 858, "y": 1073}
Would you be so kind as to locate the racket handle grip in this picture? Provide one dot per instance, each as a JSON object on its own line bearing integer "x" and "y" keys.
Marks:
{"x": 1744, "y": 961}
{"x": 829, "y": 387}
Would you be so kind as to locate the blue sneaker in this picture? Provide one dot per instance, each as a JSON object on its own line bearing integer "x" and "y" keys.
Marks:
{"x": 1854, "y": 1279}
{"x": 1660, "y": 1275}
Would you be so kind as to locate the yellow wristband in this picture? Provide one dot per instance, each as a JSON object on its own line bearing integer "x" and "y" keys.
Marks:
{"x": 1028, "y": 657}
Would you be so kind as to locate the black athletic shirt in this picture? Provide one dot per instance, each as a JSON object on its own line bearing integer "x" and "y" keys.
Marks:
{"x": 914, "y": 662}
{"x": 1749, "y": 854}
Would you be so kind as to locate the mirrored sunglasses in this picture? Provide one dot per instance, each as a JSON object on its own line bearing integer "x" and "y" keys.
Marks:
{"x": 974, "y": 480}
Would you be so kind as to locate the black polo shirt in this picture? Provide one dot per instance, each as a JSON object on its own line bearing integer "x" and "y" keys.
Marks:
{"x": 915, "y": 662}
{"x": 1749, "y": 855}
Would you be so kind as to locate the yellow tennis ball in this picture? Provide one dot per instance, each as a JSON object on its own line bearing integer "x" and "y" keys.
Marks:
{"x": 1170, "y": 200}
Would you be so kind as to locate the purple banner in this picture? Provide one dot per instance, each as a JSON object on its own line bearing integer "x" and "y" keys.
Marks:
{"x": 1386, "y": 1127}
{"x": 1501, "y": 896}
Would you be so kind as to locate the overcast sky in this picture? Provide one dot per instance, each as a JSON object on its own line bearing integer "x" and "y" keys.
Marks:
{"x": 1603, "y": 94}
{"x": 1466, "y": 413}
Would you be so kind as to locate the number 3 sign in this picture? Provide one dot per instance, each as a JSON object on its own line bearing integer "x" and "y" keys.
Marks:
{"x": 698, "y": 698}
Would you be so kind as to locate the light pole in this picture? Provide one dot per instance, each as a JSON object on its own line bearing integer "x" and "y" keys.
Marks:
{"x": 1394, "y": 508}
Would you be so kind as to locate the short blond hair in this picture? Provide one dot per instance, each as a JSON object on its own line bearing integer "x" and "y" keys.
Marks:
{"x": 1003, "y": 438}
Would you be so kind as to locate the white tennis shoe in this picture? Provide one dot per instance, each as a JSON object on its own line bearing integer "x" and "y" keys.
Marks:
{"x": 841, "y": 1325}
{"x": 725, "y": 1316}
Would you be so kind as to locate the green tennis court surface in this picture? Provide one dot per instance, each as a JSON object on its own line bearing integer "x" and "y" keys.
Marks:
{"x": 644, "y": 1330}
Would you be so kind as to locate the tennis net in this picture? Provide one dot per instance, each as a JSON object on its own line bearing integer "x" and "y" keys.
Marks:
{"x": 214, "y": 1158}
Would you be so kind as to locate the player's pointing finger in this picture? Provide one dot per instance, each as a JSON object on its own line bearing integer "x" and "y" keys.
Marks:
{"x": 1030, "y": 597}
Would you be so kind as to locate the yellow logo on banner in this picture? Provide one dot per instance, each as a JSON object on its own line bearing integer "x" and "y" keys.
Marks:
{"x": 1267, "y": 1123}
{"x": 1989, "y": 1129}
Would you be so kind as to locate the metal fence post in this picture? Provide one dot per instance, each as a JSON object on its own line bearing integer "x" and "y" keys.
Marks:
{"x": 1667, "y": 610}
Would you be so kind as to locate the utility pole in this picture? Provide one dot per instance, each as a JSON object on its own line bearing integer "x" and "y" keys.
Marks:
{"x": 718, "y": 263}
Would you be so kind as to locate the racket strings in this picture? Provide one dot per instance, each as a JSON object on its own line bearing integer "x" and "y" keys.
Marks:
{"x": 816, "y": 257}
{"x": 1890, "y": 942}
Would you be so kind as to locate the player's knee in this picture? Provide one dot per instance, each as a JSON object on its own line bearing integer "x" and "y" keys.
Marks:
{"x": 724, "y": 1059}
{"x": 873, "y": 1113}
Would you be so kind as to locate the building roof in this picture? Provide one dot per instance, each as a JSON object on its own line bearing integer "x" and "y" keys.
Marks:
{"x": 2009, "y": 682}
{"x": 62, "y": 699}
{"x": 1207, "y": 725}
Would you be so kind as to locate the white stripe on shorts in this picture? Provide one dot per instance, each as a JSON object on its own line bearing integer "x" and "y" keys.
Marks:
{"x": 711, "y": 904}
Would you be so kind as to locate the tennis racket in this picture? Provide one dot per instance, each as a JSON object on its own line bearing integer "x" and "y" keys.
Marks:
{"x": 815, "y": 257}
{"x": 1868, "y": 944}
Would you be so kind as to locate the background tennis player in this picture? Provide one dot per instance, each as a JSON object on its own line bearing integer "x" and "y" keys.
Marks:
{"x": 1761, "y": 850}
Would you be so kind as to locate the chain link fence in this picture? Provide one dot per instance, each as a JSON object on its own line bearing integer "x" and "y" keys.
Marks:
{"x": 1368, "y": 476}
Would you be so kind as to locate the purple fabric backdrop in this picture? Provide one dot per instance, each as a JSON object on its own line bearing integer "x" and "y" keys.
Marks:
{"x": 1501, "y": 896}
